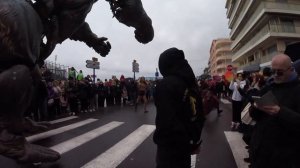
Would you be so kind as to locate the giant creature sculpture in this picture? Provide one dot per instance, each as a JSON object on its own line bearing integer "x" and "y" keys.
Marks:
{"x": 29, "y": 32}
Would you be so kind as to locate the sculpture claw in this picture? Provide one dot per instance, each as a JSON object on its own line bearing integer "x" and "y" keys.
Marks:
{"x": 102, "y": 46}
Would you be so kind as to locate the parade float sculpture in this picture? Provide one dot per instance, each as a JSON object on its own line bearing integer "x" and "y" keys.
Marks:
{"x": 229, "y": 75}
{"x": 29, "y": 32}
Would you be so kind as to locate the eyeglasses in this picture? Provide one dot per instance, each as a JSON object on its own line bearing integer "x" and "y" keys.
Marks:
{"x": 279, "y": 72}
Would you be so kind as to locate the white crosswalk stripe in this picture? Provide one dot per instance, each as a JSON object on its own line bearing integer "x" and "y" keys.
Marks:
{"x": 77, "y": 141}
{"x": 110, "y": 158}
{"x": 225, "y": 101}
{"x": 116, "y": 154}
{"x": 59, "y": 130}
{"x": 62, "y": 119}
{"x": 238, "y": 149}
{"x": 193, "y": 161}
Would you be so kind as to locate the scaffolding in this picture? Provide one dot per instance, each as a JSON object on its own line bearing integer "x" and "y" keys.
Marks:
{"x": 60, "y": 72}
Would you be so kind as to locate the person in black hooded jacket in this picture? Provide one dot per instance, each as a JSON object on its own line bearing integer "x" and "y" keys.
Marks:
{"x": 170, "y": 135}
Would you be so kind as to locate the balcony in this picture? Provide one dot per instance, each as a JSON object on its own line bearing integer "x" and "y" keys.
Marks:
{"x": 220, "y": 66}
{"x": 223, "y": 58}
{"x": 222, "y": 50}
{"x": 263, "y": 8}
{"x": 279, "y": 30}
{"x": 233, "y": 12}
{"x": 266, "y": 59}
{"x": 244, "y": 10}
{"x": 235, "y": 19}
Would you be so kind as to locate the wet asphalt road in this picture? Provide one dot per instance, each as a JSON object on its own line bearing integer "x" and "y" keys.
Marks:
{"x": 215, "y": 152}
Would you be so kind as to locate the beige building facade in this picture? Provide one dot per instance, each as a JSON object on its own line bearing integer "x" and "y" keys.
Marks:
{"x": 220, "y": 56}
{"x": 260, "y": 29}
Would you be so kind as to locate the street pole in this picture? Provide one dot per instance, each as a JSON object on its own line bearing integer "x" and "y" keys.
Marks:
{"x": 55, "y": 64}
{"x": 94, "y": 75}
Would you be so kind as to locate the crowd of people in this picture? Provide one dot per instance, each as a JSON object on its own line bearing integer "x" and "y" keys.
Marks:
{"x": 272, "y": 135}
{"x": 272, "y": 129}
{"x": 79, "y": 94}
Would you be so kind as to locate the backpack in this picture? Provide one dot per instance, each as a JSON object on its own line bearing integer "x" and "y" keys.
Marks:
{"x": 193, "y": 109}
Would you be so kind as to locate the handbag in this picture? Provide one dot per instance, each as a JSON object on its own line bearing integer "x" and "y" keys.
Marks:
{"x": 245, "y": 115}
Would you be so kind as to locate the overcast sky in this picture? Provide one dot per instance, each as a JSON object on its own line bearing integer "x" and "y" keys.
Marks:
{"x": 190, "y": 25}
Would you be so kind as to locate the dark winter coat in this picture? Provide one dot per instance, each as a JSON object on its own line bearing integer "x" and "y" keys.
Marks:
{"x": 275, "y": 142}
{"x": 170, "y": 117}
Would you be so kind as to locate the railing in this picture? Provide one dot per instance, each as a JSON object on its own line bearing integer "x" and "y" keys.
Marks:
{"x": 223, "y": 58}
{"x": 233, "y": 13}
{"x": 244, "y": 10}
{"x": 264, "y": 31}
{"x": 260, "y": 60}
{"x": 266, "y": 58}
{"x": 222, "y": 50}
{"x": 220, "y": 67}
{"x": 267, "y": 29}
{"x": 285, "y": 6}
{"x": 250, "y": 22}
{"x": 241, "y": 15}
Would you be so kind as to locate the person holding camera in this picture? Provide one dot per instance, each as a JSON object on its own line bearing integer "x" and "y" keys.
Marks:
{"x": 236, "y": 84}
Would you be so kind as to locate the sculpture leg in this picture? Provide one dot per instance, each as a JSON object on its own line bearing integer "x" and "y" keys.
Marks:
{"x": 16, "y": 94}
{"x": 85, "y": 34}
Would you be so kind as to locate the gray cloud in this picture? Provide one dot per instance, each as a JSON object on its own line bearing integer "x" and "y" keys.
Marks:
{"x": 188, "y": 25}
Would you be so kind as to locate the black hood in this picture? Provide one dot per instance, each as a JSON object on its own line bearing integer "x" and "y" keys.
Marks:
{"x": 173, "y": 63}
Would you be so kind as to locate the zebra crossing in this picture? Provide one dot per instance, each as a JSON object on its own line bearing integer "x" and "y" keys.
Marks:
{"x": 116, "y": 154}
{"x": 238, "y": 149}
{"x": 109, "y": 158}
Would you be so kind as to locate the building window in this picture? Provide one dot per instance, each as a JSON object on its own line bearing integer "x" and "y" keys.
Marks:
{"x": 281, "y": 1}
{"x": 272, "y": 50}
{"x": 251, "y": 58}
{"x": 288, "y": 25}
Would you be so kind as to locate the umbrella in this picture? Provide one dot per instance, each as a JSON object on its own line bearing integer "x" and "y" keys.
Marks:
{"x": 293, "y": 51}
{"x": 296, "y": 65}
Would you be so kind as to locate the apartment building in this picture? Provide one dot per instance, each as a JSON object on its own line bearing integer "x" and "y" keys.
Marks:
{"x": 220, "y": 56}
{"x": 260, "y": 29}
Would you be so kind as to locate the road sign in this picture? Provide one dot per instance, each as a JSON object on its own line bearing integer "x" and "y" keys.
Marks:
{"x": 92, "y": 62}
{"x": 93, "y": 66}
{"x": 135, "y": 67}
{"x": 95, "y": 59}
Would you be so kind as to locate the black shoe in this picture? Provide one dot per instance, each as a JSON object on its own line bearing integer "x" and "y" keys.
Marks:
{"x": 247, "y": 160}
{"x": 219, "y": 112}
{"x": 135, "y": 106}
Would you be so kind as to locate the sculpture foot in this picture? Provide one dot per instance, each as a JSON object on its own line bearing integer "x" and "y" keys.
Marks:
{"x": 16, "y": 147}
{"x": 38, "y": 154}
{"x": 33, "y": 127}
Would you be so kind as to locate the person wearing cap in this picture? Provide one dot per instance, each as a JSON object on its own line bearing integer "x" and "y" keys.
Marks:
{"x": 275, "y": 141}
{"x": 171, "y": 136}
